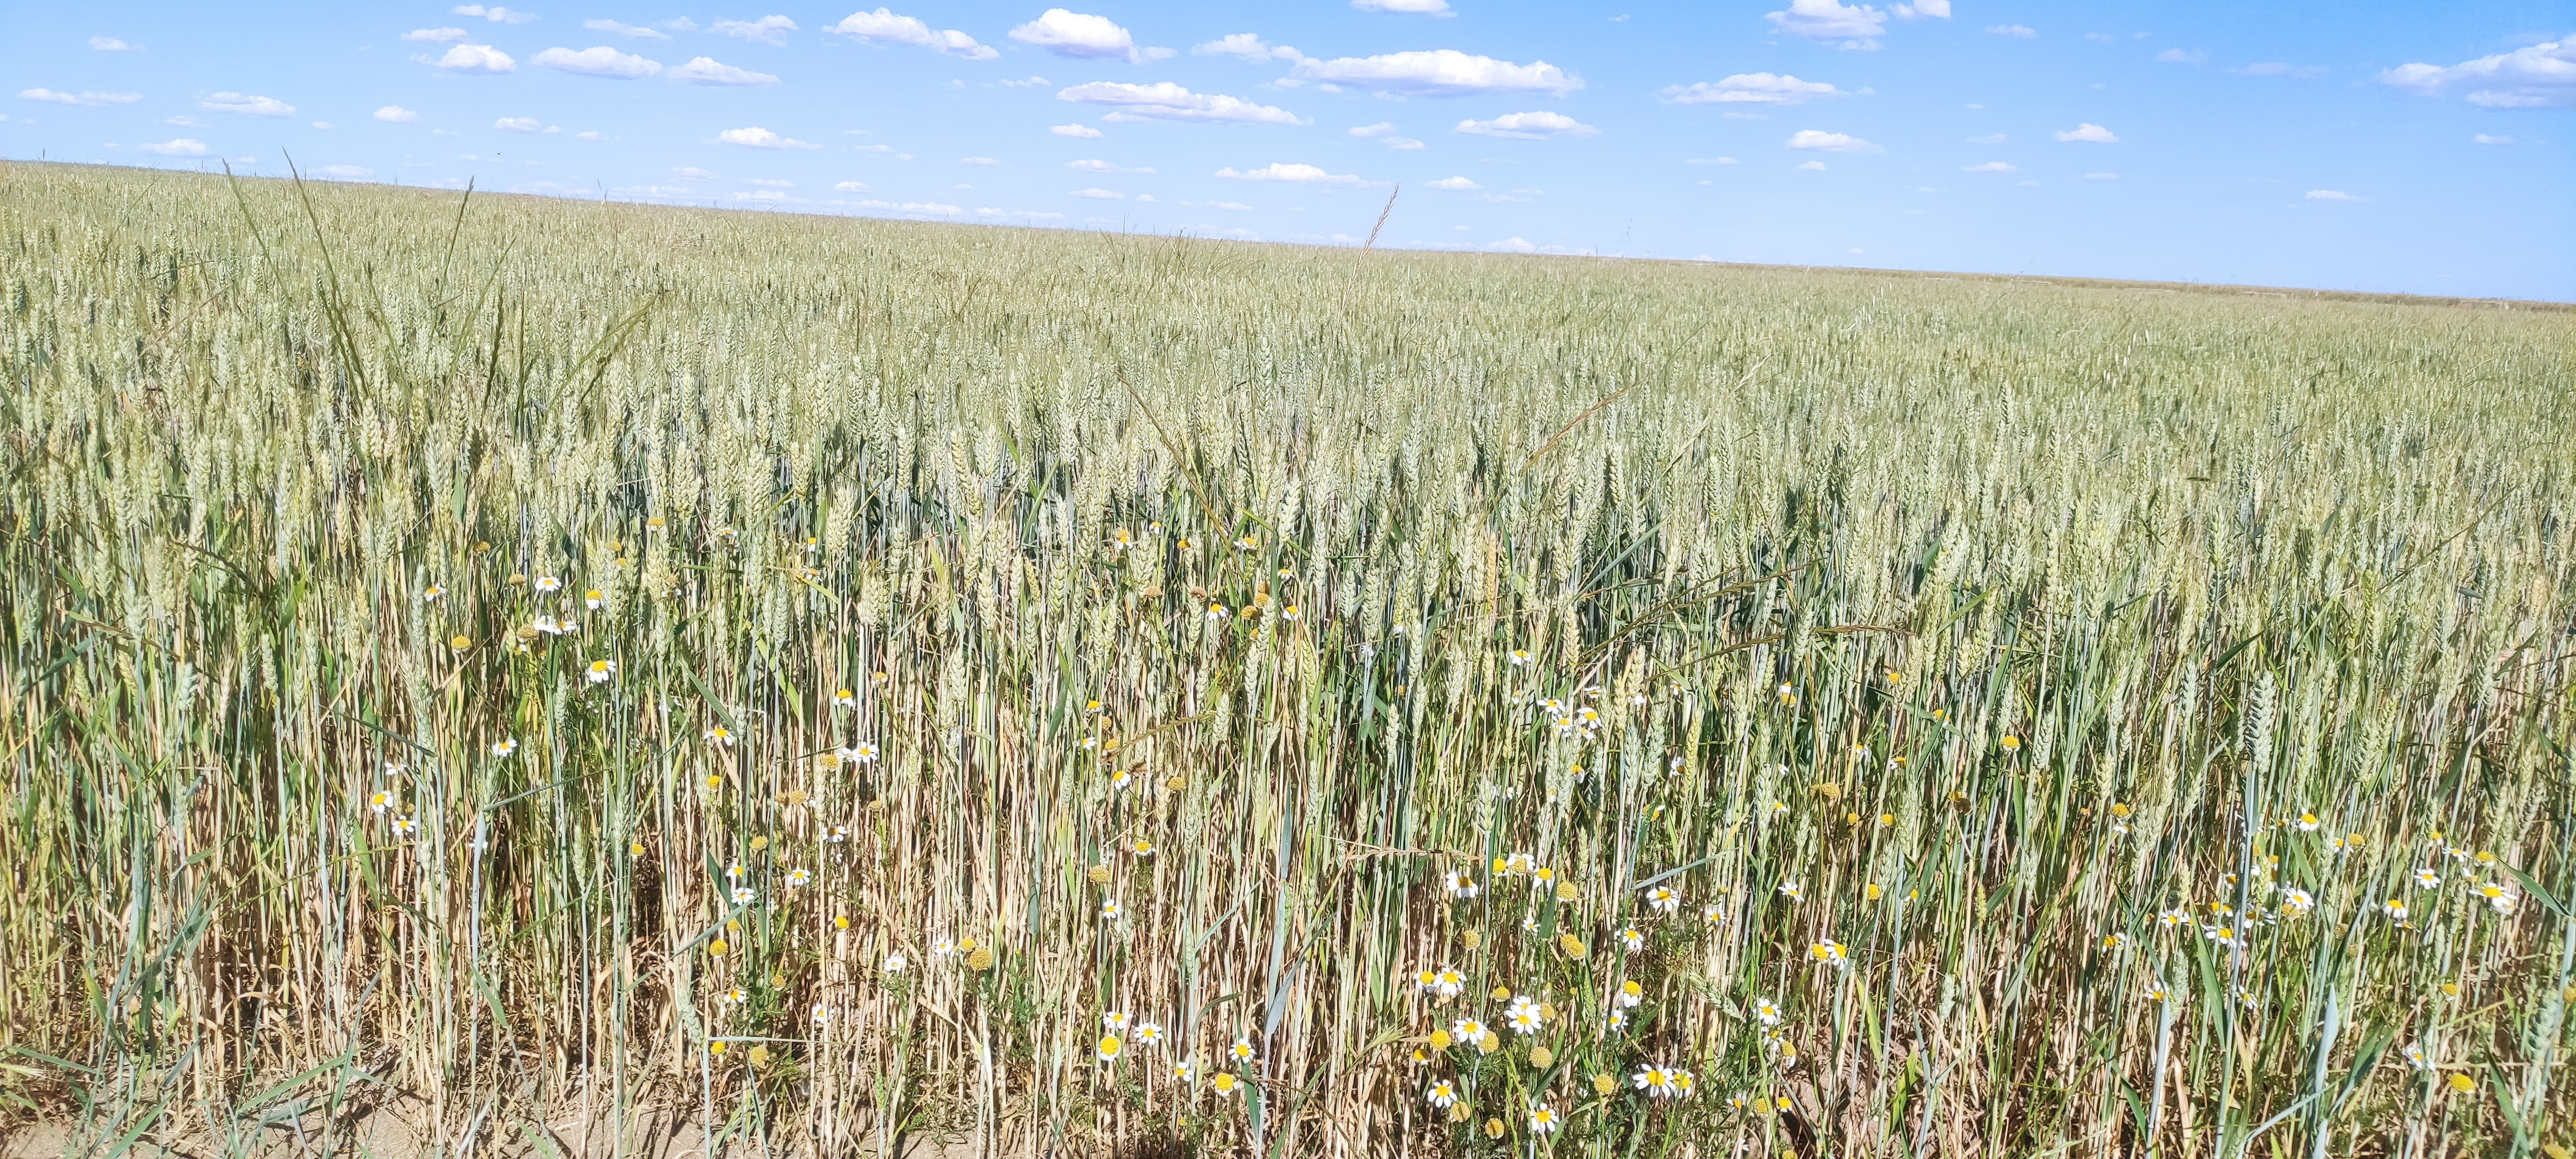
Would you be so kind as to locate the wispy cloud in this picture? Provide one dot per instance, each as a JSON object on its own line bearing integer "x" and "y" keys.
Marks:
{"x": 1751, "y": 88}
{"x": 1441, "y": 72}
{"x": 766, "y": 30}
{"x": 756, "y": 137}
{"x": 110, "y": 44}
{"x": 705, "y": 70}
{"x": 1528, "y": 127}
{"x": 1412, "y": 7}
{"x": 1294, "y": 174}
{"x": 1248, "y": 46}
{"x": 246, "y": 105}
{"x": 495, "y": 14}
{"x": 2332, "y": 195}
{"x": 83, "y": 98}
{"x": 634, "y": 30}
{"x": 600, "y": 61}
{"x": 176, "y": 147}
{"x": 1824, "y": 142}
{"x": 1855, "y": 26}
{"x": 2016, "y": 31}
{"x": 1165, "y": 101}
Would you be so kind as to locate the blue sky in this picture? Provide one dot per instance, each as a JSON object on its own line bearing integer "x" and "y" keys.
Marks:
{"x": 2420, "y": 148}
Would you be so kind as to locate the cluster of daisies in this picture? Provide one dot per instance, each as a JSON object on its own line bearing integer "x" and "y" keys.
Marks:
{"x": 1121, "y": 1036}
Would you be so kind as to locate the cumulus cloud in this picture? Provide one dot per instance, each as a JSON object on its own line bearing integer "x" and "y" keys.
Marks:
{"x": 2182, "y": 56}
{"x": 495, "y": 14}
{"x": 601, "y": 61}
{"x": 1096, "y": 166}
{"x": 476, "y": 58}
{"x": 1099, "y": 194}
{"x": 519, "y": 124}
{"x": 1292, "y": 173}
{"x": 1990, "y": 167}
{"x": 1165, "y": 101}
{"x": 1035, "y": 82}
{"x": 1415, "y": 7}
{"x": 1825, "y": 142}
{"x": 2088, "y": 131}
{"x": 176, "y": 147}
{"x": 2016, "y": 31}
{"x": 1082, "y": 35}
{"x": 83, "y": 97}
{"x": 1856, "y": 26}
{"x": 1444, "y": 72}
{"x": 1248, "y": 46}
{"x": 1927, "y": 10}
{"x": 759, "y": 138}
{"x": 2332, "y": 195}
{"x": 1083, "y": 131}
{"x": 706, "y": 70}
{"x": 1456, "y": 184}
{"x": 396, "y": 114}
{"x": 1816, "y": 165}
{"x": 2539, "y": 76}
{"x": 435, "y": 35}
{"x": 1751, "y": 88}
{"x": 246, "y": 104}
{"x": 851, "y": 186}
{"x": 1528, "y": 127}
{"x": 635, "y": 30}
{"x": 885, "y": 27}
{"x": 766, "y": 30}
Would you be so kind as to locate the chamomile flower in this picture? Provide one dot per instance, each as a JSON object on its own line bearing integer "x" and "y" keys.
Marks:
{"x": 836, "y": 834}
{"x": 548, "y": 625}
{"x": 1466, "y": 1030}
{"x": 1663, "y": 899}
{"x": 736, "y": 996}
{"x": 1225, "y": 1083}
{"x": 745, "y": 895}
{"x": 822, "y": 1015}
{"x": 1520, "y": 657}
{"x": 404, "y": 826}
{"x": 799, "y": 877}
{"x": 1241, "y": 1052}
{"x": 1631, "y": 995}
{"x": 896, "y": 963}
{"x": 1110, "y": 1047}
{"x": 863, "y": 753}
{"x": 845, "y": 699}
{"x": 430, "y": 594}
{"x": 1121, "y": 779}
{"x": 2498, "y": 897}
{"x": 1109, "y": 909}
{"x": 2296, "y": 902}
{"x": 505, "y": 747}
{"x": 2174, "y": 918}
{"x": 1184, "y": 1072}
{"x": 2394, "y": 908}
{"x": 1713, "y": 914}
{"x": 382, "y": 800}
{"x": 2415, "y": 1056}
{"x": 1148, "y": 1033}
{"x": 1633, "y": 939}
{"x": 943, "y": 948}
{"x": 1141, "y": 847}
{"x": 1788, "y": 695}
{"x": 2308, "y": 822}
{"x": 1290, "y": 613}
{"x": 1789, "y": 889}
{"x": 1216, "y": 613}
{"x": 593, "y": 598}
{"x": 2428, "y": 879}
{"x": 1831, "y": 953}
{"x": 1442, "y": 1095}
{"x": 719, "y": 736}
{"x": 2223, "y": 935}
{"x": 1461, "y": 884}
{"x": 1526, "y": 1016}
{"x": 1543, "y": 1119}
{"x": 601, "y": 671}
{"x": 2156, "y": 992}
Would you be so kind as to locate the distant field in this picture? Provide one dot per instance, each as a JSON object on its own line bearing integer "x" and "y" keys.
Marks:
{"x": 506, "y": 662}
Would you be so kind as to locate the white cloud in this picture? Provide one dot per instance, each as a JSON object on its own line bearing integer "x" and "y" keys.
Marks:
{"x": 1927, "y": 10}
{"x": 601, "y": 61}
{"x": 396, "y": 114}
{"x": 2016, "y": 31}
{"x": 1248, "y": 46}
{"x": 83, "y": 97}
{"x": 110, "y": 44}
{"x": 1459, "y": 184}
{"x": 2490, "y": 139}
{"x": 2283, "y": 68}
{"x": 476, "y": 58}
{"x": 704, "y": 70}
{"x": 1165, "y": 101}
{"x": 1755, "y": 88}
{"x": 694, "y": 173}
{"x": 184, "y": 121}
{"x": 1818, "y": 165}
{"x": 759, "y": 138}
{"x": 2088, "y": 131}
{"x": 2101, "y": 177}
{"x": 771, "y": 182}
{"x": 1990, "y": 167}
{"x": 246, "y": 105}
{"x": 435, "y": 35}
{"x": 1830, "y": 142}
{"x": 1292, "y": 173}
{"x": 1854, "y": 26}
{"x": 634, "y": 30}
{"x": 1099, "y": 194}
{"x": 496, "y": 14}
{"x": 1084, "y": 131}
{"x": 2100, "y": 37}
{"x": 1096, "y": 166}
{"x": 851, "y": 186}
{"x": 1234, "y": 205}
{"x": 1710, "y": 161}
{"x": 1384, "y": 133}
{"x": 1035, "y": 82}
{"x": 884, "y": 25}
{"x": 766, "y": 30}
{"x": 177, "y": 147}
{"x": 2332, "y": 195}
{"x": 1528, "y": 127}
{"x": 1444, "y": 72}
{"x": 1415, "y": 7}
{"x": 519, "y": 124}
{"x": 2182, "y": 56}
{"x": 2540, "y": 76}
{"x": 1078, "y": 34}
{"x": 977, "y": 161}
{"x": 935, "y": 208}
{"x": 1518, "y": 245}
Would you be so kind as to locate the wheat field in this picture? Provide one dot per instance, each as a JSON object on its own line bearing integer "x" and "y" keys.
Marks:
{"x": 786, "y": 686}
